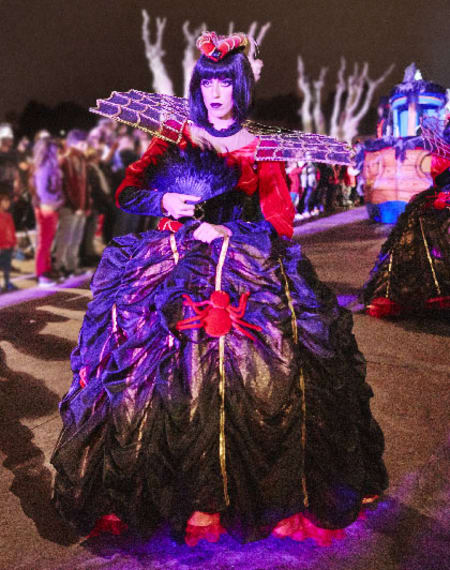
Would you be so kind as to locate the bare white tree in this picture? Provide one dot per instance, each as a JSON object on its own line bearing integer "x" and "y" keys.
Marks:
{"x": 155, "y": 54}
{"x": 352, "y": 99}
{"x": 340, "y": 89}
{"x": 259, "y": 37}
{"x": 189, "y": 57}
{"x": 304, "y": 84}
{"x": 352, "y": 115}
{"x": 319, "y": 118}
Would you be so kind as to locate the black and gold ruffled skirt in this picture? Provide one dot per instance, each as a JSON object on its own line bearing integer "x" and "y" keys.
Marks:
{"x": 161, "y": 422}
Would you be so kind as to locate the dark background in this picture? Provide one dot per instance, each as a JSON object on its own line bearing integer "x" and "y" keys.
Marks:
{"x": 53, "y": 51}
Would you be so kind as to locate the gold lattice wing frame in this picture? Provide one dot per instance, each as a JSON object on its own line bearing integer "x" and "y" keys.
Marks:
{"x": 165, "y": 116}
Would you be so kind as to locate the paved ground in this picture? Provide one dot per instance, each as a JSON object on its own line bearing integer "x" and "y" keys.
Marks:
{"x": 408, "y": 368}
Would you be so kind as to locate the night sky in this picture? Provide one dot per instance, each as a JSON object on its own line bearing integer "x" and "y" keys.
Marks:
{"x": 78, "y": 50}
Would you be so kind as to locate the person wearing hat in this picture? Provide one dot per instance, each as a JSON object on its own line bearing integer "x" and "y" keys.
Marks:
{"x": 217, "y": 383}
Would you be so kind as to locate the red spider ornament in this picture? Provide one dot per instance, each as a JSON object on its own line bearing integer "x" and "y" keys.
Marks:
{"x": 219, "y": 317}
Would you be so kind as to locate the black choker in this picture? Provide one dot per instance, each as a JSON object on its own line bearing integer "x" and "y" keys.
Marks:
{"x": 231, "y": 130}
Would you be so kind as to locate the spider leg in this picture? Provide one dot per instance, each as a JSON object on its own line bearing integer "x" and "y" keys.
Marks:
{"x": 194, "y": 318}
{"x": 182, "y": 325}
{"x": 243, "y": 331}
{"x": 245, "y": 324}
{"x": 188, "y": 302}
{"x": 240, "y": 309}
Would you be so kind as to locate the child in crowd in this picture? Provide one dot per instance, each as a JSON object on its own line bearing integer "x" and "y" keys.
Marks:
{"x": 7, "y": 240}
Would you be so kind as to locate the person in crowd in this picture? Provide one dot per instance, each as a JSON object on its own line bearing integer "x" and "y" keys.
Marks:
{"x": 142, "y": 141}
{"x": 102, "y": 205}
{"x": 24, "y": 158}
{"x": 22, "y": 209}
{"x": 47, "y": 199}
{"x": 217, "y": 383}
{"x": 347, "y": 183}
{"x": 293, "y": 172}
{"x": 308, "y": 180}
{"x": 356, "y": 184}
{"x": 105, "y": 141}
{"x": 76, "y": 206}
{"x": 7, "y": 240}
{"x": 332, "y": 187}
{"x": 126, "y": 154}
{"x": 9, "y": 168}
{"x": 8, "y": 161}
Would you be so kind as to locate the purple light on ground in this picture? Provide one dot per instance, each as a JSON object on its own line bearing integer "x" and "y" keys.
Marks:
{"x": 316, "y": 225}
{"x": 160, "y": 551}
{"x": 31, "y": 293}
{"x": 345, "y": 300}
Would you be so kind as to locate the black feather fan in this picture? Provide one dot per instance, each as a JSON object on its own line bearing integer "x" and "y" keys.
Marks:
{"x": 192, "y": 170}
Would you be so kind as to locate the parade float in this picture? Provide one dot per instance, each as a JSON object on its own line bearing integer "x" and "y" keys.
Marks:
{"x": 398, "y": 163}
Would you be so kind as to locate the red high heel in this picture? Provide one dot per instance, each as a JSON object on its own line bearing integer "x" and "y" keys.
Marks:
{"x": 108, "y": 523}
{"x": 203, "y": 526}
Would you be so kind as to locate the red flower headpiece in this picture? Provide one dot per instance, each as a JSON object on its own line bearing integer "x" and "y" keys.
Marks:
{"x": 216, "y": 47}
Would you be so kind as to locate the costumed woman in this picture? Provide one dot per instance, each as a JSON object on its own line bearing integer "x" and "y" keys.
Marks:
{"x": 412, "y": 271}
{"x": 217, "y": 383}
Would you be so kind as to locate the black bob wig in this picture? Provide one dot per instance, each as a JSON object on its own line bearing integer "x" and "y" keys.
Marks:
{"x": 234, "y": 66}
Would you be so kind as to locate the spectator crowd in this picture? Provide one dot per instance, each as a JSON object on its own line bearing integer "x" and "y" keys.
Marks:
{"x": 61, "y": 190}
{"x": 322, "y": 188}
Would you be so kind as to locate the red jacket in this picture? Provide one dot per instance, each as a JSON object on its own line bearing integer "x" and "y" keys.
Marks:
{"x": 75, "y": 185}
{"x": 7, "y": 231}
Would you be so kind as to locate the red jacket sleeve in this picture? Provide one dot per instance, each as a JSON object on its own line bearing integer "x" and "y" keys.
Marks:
{"x": 276, "y": 203}
{"x": 134, "y": 174}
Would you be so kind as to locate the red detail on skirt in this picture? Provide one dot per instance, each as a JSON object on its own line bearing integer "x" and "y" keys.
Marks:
{"x": 168, "y": 224}
{"x": 442, "y": 201}
{"x": 83, "y": 377}
{"x": 438, "y": 303}
{"x": 383, "y": 307}
{"x": 219, "y": 316}
{"x": 370, "y": 499}
{"x": 108, "y": 523}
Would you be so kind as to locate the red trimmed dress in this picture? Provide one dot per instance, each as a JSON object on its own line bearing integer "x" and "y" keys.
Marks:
{"x": 263, "y": 429}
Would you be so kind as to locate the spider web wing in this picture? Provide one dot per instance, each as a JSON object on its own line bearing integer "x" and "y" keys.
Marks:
{"x": 164, "y": 116}
{"x": 160, "y": 115}
{"x": 280, "y": 144}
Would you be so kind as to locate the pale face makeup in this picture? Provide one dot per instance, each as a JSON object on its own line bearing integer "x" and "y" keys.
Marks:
{"x": 217, "y": 96}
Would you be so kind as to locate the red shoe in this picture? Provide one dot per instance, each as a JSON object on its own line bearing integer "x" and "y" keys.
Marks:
{"x": 300, "y": 528}
{"x": 203, "y": 526}
{"x": 383, "y": 307}
{"x": 108, "y": 523}
{"x": 438, "y": 303}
